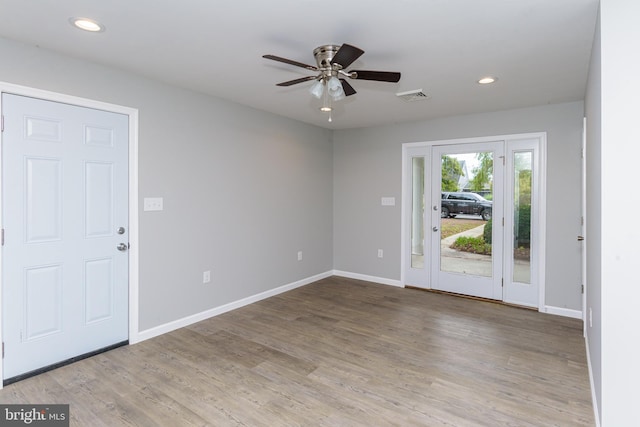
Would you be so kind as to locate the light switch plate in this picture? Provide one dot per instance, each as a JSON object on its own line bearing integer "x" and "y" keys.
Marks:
{"x": 153, "y": 203}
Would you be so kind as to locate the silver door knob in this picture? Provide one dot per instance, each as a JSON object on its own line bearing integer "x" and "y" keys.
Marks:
{"x": 435, "y": 228}
{"x": 580, "y": 238}
{"x": 122, "y": 247}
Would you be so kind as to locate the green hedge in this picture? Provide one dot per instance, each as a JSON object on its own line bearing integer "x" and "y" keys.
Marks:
{"x": 476, "y": 245}
{"x": 487, "y": 231}
{"x": 524, "y": 226}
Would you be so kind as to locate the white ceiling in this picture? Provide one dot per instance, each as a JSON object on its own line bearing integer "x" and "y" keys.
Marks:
{"x": 538, "y": 49}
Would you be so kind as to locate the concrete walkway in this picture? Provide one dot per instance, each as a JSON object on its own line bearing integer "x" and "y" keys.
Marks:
{"x": 455, "y": 261}
{"x": 445, "y": 245}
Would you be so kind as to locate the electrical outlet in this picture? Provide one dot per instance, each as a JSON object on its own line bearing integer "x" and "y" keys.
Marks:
{"x": 206, "y": 276}
{"x": 299, "y": 255}
{"x": 380, "y": 253}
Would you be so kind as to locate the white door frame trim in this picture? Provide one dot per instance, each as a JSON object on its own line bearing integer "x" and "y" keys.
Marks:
{"x": 583, "y": 212}
{"x": 132, "y": 113}
{"x": 542, "y": 203}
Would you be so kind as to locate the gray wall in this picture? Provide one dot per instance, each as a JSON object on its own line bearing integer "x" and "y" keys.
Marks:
{"x": 243, "y": 190}
{"x": 613, "y": 252}
{"x": 368, "y": 165}
{"x": 593, "y": 105}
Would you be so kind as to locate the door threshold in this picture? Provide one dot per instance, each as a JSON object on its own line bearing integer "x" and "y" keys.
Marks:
{"x": 62, "y": 363}
{"x": 495, "y": 301}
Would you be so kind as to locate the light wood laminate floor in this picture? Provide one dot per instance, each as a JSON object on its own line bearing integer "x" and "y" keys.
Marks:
{"x": 338, "y": 352}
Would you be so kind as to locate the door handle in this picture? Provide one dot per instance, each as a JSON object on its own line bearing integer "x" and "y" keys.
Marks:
{"x": 580, "y": 238}
{"x": 122, "y": 247}
{"x": 435, "y": 228}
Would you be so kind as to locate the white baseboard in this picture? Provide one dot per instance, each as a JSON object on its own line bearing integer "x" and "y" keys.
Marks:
{"x": 366, "y": 278}
{"x": 594, "y": 402}
{"x": 559, "y": 311}
{"x": 189, "y": 320}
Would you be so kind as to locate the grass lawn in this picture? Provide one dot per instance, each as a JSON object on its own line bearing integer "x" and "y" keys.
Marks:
{"x": 451, "y": 226}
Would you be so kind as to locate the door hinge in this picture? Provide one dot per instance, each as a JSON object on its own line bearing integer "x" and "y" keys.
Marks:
{"x": 503, "y": 221}
{"x": 2, "y": 237}
{"x": 502, "y": 281}
{"x": 2, "y": 124}
{"x": 582, "y": 289}
{"x": 3, "y": 349}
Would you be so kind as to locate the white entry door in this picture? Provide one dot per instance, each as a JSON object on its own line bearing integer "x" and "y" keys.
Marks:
{"x": 477, "y": 269}
{"x": 65, "y": 221}
{"x": 454, "y": 244}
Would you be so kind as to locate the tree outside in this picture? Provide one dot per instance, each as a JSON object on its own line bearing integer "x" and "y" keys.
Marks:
{"x": 451, "y": 173}
{"x": 483, "y": 173}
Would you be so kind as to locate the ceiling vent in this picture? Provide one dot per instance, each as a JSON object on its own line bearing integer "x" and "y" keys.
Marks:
{"x": 413, "y": 95}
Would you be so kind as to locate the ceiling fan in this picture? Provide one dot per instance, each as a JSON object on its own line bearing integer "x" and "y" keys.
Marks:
{"x": 332, "y": 62}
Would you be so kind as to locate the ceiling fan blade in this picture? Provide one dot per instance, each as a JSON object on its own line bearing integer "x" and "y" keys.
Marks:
{"x": 290, "y": 62}
{"x": 296, "y": 81}
{"x": 346, "y": 55}
{"x": 348, "y": 89}
{"x": 380, "y": 76}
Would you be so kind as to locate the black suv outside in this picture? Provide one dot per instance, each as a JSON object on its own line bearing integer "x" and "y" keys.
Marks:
{"x": 465, "y": 203}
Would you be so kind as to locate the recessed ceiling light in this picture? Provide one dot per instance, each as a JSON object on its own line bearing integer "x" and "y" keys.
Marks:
{"x": 87, "y": 24}
{"x": 487, "y": 80}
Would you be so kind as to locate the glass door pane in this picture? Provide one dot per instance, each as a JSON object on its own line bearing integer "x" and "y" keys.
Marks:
{"x": 465, "y": 215}
{"x": 522, "y": 183}
{"x": 467, "y": 190}
{"x": 417, "y": 213}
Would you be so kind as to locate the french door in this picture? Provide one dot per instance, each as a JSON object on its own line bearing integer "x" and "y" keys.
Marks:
{"x": 472, "y": 214}
{"x": 470, "y": 260}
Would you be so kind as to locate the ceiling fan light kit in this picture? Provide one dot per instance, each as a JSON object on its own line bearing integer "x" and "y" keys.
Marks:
{"x": 334, "y": 87}
{"x": 330, "y": 83}
{"x": 317, "y": 89}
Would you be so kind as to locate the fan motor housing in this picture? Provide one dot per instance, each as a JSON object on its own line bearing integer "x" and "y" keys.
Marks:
{"x": 324, "y": 55}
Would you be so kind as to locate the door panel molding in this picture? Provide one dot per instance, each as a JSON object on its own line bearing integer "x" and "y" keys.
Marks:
{"x": 47, "y": 131}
